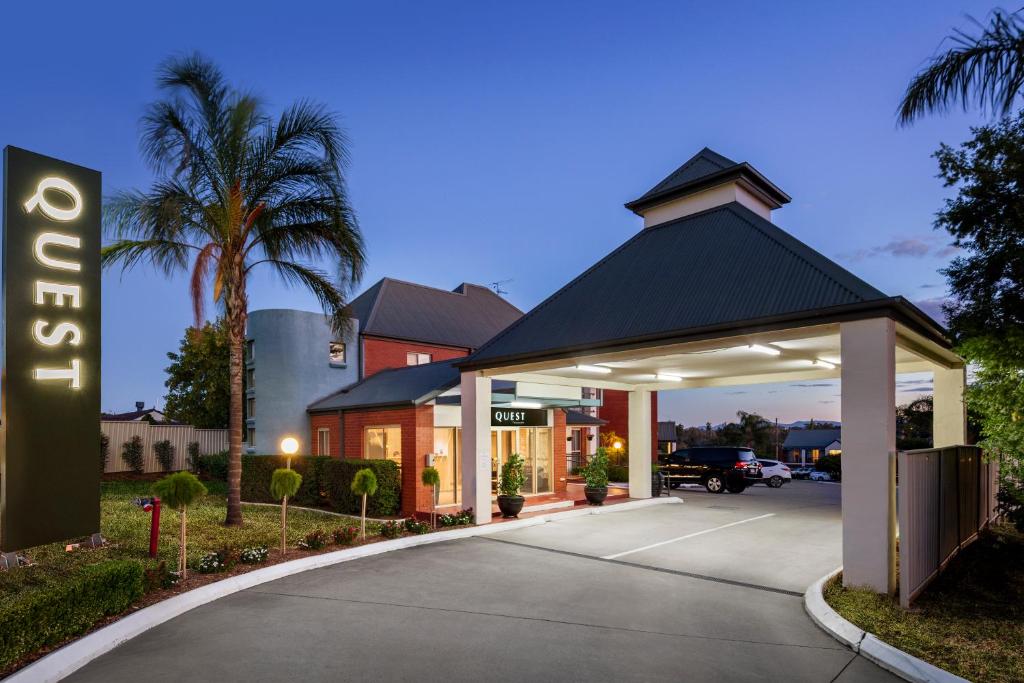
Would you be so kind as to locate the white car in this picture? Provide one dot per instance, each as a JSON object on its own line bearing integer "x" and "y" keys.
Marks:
{"x": 820, "y": 476}
{"x": 774, "y": 473}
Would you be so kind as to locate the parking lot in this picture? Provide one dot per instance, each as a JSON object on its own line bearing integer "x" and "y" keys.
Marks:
{"x": 709, "y": 590}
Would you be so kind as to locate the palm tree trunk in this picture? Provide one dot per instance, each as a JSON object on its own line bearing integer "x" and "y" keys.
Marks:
{"x": 235, "y": 304}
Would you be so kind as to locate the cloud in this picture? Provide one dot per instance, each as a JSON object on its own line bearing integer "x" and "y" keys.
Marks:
{"x": 907, "y": 382}
{"x": 826, "y": 401}
{"x": 933, "y": 307}
{"x": 928, "y": 286}
{"x": 926, "y": 388}
{"x": 905, "y": 247}
{"x": 736, "y": 393}
{"x": 816, "y": 384}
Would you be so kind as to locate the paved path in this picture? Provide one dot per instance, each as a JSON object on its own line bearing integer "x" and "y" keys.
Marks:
{"x": 705, "y": 591}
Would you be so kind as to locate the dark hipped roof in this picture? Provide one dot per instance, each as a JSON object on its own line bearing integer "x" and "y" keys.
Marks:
{"x": 722, "y": 271}
{"x": 410, "y": 385}
{"x": 703, "y": 170}
{"x": 811, "y": 438}
{"x": 466, "y": 317}
{"x": 575, "y": 418}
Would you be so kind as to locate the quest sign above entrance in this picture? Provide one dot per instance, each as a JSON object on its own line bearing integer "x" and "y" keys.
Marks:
{"x": 519, "y": 417}
{"x": 50, "y": 400}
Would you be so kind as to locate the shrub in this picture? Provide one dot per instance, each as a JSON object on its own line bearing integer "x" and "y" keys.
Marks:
{"x": 214, "y": 466}
{"x": 159, "y": 577}
{"x": 345, "y": 535}
{"x": 390, "y": 529}
{"x": 456, "y": 519}
{"x": 164, "y": 454}
{"x": 1010, "y": 499}
{"x": 214, "y": 562}
{"x": 178, "y": 491}
{"x": 192, "y": 450}
{"x": 414, "y": 526}
{"x": 595, "y": 472}
{"x": 511, "y": 476}
{"x": 132, "y": 454}
{"x": 314, "y": 540}
{"x": 832, "y": 464}
{"x": 104, "y": 452}
{"x": 618, "y": 473}
{"x": 284, "y": 482}
{"x": 48, "y": 616}
{"x": 254, "y": 555}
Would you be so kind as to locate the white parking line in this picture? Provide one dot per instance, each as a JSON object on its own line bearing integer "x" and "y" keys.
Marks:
{"x": 683, "y": 538}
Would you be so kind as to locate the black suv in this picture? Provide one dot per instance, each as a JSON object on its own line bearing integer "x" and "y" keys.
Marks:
{"x": 717, "y": 468}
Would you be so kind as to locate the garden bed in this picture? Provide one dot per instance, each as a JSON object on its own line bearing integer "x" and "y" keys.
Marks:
{"x": 970, "y": 621}
{"x": 126, "y": 528}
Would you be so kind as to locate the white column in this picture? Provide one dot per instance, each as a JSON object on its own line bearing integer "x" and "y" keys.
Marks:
{"x": 949, "y": 420}
{"x": 869, "y": 437}
{"x": 639, "y": 444}
{"x": 476, "y": 445}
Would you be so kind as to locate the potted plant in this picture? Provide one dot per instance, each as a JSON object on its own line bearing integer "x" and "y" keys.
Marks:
{"x": 595, "y": 474}
{"x": 509, "y": 501}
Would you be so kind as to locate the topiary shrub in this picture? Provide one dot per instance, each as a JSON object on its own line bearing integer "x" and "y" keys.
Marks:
{"x": 192, "y": 452}
{"x": 178, "y": 491}
{"x": 132, "y": 454}
{"x": 214, "y": 466}
{"x": 164, "y": 451}
{"x": 104, "y": 452}
{"x": 46, "y": 617}
{"x": 283, "y": 483}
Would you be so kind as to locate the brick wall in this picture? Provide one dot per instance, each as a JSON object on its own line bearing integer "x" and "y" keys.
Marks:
{"x": 381, "y": 354}
{"x": 417, "y": 425}
{"x": 331, "y": 421}
{"x": 561, "y": 469}
{"x": 615, "y": 409}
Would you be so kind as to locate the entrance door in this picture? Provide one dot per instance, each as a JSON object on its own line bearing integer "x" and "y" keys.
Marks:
{"x": 503, "y": 444}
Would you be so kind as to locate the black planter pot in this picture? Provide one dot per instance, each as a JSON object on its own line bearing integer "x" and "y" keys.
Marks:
{"x": 596, "y": 496}
{"x": 510, "y": 506}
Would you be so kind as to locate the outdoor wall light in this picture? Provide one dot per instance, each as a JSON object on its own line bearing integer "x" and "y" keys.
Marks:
{"x": 289, "y": 445}
{"x": 598, "y": 369}
{"x": 525, "y": 404}
{"x": 768, "y": 350}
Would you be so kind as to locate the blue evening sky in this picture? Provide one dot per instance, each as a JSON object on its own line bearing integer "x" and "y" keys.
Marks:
{"x": 494, "y": 141}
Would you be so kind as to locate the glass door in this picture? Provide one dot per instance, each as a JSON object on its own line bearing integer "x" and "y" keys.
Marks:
{"x": 503, "y": 443}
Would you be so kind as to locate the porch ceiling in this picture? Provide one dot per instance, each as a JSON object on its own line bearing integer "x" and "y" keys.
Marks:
{"x": 807, "y": 353}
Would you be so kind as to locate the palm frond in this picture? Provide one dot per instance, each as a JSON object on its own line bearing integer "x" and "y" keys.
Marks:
{"x": 330, "y": 296}
{"x": 986, "y": 69}
{"x": 166, "y": 255}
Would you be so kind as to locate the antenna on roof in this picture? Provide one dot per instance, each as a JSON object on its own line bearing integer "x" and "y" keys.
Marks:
{"x": 497, "y": 286}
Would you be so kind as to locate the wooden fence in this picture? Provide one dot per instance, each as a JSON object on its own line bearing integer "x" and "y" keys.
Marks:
{"x": 945, "y": 497}
{"x": 210, "y": 441}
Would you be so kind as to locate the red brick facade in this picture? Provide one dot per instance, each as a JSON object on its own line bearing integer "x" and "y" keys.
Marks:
{"x": 615, "y": 410}
{"x": 332, "y": 421}
{"x": 381, "y": 354}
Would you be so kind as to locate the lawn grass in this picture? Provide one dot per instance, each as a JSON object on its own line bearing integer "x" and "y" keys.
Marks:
{"x": 126, "y": 527}
{"x": 970, "y": 621}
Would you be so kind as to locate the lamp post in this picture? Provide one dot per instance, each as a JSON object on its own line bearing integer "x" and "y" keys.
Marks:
{"x": 289, "y": 446}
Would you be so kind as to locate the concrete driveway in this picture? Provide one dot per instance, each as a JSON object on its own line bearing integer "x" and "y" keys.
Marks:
{"x": 704, "y": 591}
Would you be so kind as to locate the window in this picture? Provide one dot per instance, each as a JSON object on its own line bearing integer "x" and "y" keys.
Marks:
{"x": 383, "y": 443}
{"x": 323, "y": 441}
{"x": 417, "y": 358}
{"x": 250, "y": 378}
{"x": 250, "y": 437}
{"x": 250, "y": 347}
{"x": 337, "y": 353}
{"x": 250, "y": 407}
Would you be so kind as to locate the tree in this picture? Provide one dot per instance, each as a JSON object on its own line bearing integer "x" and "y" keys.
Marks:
{"x": 985, "y": 69}
{"x": 914, "y": 424}
{"x": 178, "y": 491}
{"x": 236, "y": 189}
{"x": 284, "y": 482}
{"x": 198, "y": 383}
{"x": 364, "y": 484}
{"x": 432, "y": 478}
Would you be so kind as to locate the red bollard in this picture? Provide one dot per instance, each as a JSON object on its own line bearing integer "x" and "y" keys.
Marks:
{"x": 154, "y": 527}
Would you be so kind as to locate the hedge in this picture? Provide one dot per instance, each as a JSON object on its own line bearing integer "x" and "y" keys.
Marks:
{"x": 326, "y": 482}
{"x": 49, "y": 616}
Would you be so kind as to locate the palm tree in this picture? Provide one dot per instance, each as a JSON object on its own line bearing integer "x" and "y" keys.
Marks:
{"x": 987, "y": 68}
{"x": 237, "y": 189}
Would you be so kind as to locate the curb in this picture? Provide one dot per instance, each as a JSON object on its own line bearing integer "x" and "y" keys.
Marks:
{"x": 906, "y": 666}
{"x": 73, "y": 656}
